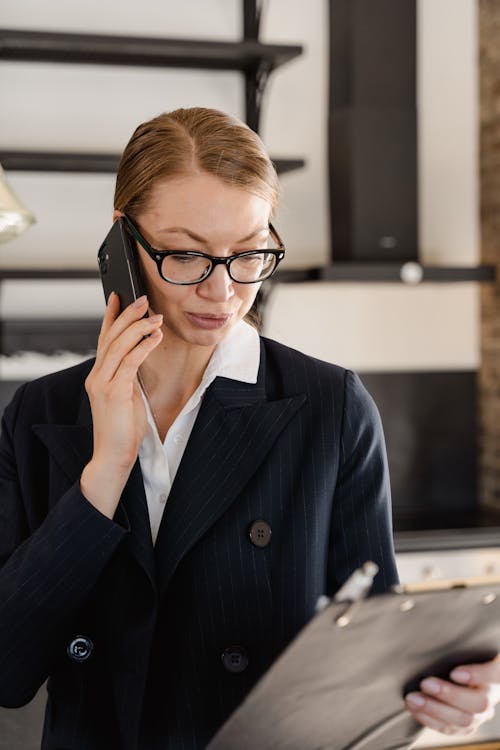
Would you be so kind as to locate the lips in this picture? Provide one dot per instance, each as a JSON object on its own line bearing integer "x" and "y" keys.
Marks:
{"x": 208, "y": 321}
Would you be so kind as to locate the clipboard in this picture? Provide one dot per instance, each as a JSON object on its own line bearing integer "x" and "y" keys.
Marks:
{"x": 341, "y": 687}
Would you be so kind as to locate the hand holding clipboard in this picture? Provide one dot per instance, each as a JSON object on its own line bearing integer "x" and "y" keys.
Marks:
{"x": 341, "y": 686}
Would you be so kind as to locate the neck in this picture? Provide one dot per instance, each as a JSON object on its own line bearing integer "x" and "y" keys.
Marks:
{"x": 169, "y": 377}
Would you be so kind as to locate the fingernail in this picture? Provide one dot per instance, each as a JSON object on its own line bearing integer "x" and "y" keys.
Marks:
{"x": 415, "y": 699}
{"x": 430, "y": 685}
{"x": 156, "y": 334}
{"x": 140, "y": 301}
{"x": 111, "y": 296}
{"x": 156, "y": 318}
{"x": 460, "y": 675}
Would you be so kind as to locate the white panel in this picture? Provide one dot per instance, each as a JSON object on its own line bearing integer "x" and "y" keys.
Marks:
{"x": 30, "y": 365}
{"x": 448, "y": 131}
{"x": 74, "y": 213}
{"x": 380, "y": 327}
{"x": 90, "y": 107}
{"x": 295, "y": 124}
{"x": 62, "y": 299}
{"x": 221, "y": 19}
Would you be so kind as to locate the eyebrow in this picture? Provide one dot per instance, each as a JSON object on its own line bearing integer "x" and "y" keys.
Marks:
{"x": 199, "y": 238}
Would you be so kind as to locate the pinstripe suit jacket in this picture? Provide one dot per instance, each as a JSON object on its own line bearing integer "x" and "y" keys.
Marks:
{"x": 301, "y": 449}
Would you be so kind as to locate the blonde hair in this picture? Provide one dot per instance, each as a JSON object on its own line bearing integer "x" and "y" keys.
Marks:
{"x": 189, "y": 140}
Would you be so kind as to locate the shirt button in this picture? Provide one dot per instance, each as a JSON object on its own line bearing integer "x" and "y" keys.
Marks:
{"x": 260, "y": 533}
{"x": 163, "y": 498}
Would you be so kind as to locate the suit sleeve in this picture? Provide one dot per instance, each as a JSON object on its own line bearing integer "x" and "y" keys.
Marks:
{"x": 361, "y": 527}
{"x": 45, "y": 573}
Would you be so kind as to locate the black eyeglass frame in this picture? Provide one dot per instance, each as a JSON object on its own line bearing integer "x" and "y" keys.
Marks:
{"x": 159, "y": 255}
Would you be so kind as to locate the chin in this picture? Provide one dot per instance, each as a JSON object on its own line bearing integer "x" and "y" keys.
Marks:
{"x": 209, "y": 338}
{"x": 204, "y": 338}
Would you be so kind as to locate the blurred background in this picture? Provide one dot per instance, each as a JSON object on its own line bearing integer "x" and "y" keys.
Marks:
{"x": 383, "y": 119}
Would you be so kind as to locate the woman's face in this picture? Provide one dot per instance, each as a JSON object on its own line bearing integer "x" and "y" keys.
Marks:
{"x": 201, "y": 212}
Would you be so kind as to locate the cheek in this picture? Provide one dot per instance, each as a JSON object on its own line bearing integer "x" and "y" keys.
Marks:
{"x": 150, "y": 277}
{"x": 161, "y": 294}
{"x": 248, "y": 295}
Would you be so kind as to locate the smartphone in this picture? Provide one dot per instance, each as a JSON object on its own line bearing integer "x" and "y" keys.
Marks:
{"x": 118, "y": 265}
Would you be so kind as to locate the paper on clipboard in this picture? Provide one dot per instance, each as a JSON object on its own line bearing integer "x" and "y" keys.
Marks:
{"x": 341, "y": 688}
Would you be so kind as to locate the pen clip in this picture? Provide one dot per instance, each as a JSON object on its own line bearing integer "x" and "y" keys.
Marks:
{"x": 354, "y": 591}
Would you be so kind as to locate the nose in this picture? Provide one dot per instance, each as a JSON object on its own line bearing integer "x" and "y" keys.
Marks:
{"x": 218, "y": 287}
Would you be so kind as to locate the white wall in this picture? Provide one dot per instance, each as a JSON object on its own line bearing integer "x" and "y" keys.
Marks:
{"x": 95, "y": 108}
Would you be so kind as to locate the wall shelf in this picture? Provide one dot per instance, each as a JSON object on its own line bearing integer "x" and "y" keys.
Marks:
{"x": 97, "y": 49}
{"x": 411, "y": 273}
{"x": 353, "y": 272}
{"x": 254, "y": 59}
{"x": 65, "y": 161}
{"x": 447, "y": 539}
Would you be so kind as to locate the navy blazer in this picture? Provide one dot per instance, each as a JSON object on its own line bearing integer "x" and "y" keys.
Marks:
{"x": 153, "y": 647}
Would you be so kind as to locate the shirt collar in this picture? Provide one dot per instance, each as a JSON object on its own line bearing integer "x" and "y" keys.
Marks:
{"x": 237, "y": 356}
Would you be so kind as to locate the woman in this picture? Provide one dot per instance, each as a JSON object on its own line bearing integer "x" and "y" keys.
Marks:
{"x": 173, "y": 510}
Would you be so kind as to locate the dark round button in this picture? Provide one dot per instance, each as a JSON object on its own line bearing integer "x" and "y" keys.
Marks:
{"x": 260, "y": 533}
{"x": 80, "y": 648}
{"x": 235, "y": 659}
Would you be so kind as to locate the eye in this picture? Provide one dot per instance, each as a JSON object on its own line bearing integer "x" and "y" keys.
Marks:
{"x": 184, "y": 259}
{"x": 249, "y": 259}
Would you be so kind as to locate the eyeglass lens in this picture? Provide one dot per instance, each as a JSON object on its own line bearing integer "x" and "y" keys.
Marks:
{"x": 182, "y": 269}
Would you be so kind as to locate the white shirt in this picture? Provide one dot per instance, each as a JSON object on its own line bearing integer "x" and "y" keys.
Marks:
{"x": 236, "y": 357}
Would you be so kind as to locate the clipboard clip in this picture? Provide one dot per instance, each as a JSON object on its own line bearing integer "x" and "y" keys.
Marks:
{"x": 354, "y": 591}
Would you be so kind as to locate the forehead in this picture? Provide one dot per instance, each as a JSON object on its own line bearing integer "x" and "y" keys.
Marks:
{"x": 202, "y": 203}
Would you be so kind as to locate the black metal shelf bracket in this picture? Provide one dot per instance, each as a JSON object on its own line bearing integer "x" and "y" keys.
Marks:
{"x": 255, "y": 79}
{"x": 252, "y": 16}
{"x": 255, "y": 85}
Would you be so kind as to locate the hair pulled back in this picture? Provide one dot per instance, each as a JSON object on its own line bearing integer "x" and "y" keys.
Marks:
{"x": 186, "y": 141}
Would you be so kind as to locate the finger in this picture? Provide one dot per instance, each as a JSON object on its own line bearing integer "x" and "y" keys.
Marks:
{"x": 487, "y": 673}
{"x": 114, "y": 322}
{"x": 470, "y": 699}
{"x": 439, "y": 726}
{"x": 436, "y": 712}
{"x": 129, "y": 365}
{"x": 129, "y": 340}
{"x": 111, "y": 313}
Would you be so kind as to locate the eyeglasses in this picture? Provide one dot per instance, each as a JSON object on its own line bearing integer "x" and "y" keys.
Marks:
{"x": 191, "y": 266}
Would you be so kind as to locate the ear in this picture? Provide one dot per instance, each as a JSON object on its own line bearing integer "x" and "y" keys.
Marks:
{"x": 117, "y": 214}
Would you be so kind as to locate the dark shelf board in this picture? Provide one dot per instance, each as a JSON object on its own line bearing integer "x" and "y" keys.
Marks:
{"x": 385, "y": 272}
{"x": 446, "y": 539}
{"x": 47, "y": 274}
{"x": 49, "y": 336}
{"x": 60, "y": 161}
{"x": 97, "y": 49}
{"x": 288, "y": 165}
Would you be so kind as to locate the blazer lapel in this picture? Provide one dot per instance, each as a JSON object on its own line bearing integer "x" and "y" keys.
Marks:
{"x": 235, "y": 429}
{"x": 71, "y": 447}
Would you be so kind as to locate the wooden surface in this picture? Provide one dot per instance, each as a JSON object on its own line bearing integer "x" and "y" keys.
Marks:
{"x": 480, "y": 746}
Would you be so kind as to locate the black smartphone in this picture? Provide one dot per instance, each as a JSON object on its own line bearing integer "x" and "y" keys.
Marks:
{"x": 118, "y": 265}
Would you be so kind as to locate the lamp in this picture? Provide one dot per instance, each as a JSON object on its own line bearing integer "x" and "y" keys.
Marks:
{"x": 14, "y": 217}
